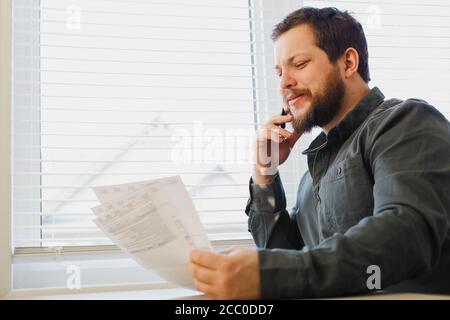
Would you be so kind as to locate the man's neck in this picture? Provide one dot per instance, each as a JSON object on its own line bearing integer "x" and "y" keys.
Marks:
{"x": 352, "y": 96}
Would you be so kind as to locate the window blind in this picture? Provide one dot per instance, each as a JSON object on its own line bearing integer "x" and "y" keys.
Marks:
{"x": 109, "y": 92}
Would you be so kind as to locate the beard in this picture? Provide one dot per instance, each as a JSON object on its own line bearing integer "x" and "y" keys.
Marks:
{"x": 324, "y": 106}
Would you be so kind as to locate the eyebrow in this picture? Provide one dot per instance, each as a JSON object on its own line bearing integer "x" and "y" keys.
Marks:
{"x": 277, "y": 67}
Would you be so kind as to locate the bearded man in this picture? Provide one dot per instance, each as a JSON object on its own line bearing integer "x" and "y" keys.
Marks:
{"x": 375, "y": 198}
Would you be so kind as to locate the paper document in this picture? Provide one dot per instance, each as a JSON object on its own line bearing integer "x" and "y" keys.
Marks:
{"x": 155, "y": 222}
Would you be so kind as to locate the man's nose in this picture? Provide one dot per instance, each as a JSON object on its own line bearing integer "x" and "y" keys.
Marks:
{"x": 287, "y": 81}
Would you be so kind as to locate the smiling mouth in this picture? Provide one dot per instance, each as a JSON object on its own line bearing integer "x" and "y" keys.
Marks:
{"x": 295, "y": 99}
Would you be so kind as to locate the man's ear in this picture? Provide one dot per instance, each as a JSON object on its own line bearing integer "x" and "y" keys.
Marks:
{"x": 350, "y": 60}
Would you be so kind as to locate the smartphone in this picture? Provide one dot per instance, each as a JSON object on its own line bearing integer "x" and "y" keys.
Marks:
{"x": 283, "y": 113}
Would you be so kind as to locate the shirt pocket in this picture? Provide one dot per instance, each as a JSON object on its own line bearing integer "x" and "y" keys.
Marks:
{"x": 346, "y": 194}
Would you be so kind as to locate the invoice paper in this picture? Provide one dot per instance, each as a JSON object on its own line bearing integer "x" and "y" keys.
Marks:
{"x": 155, "y": 222}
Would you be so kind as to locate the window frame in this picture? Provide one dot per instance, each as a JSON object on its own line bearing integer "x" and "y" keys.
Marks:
{"x": 5, "y": 147}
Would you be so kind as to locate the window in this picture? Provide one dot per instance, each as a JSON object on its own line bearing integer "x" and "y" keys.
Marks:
{"x": 108, "y": 92}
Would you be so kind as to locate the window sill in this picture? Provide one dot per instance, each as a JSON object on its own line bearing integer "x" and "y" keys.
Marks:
{"x": 153, "y": 291}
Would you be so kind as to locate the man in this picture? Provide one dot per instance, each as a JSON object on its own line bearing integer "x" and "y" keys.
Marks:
{"x": 375, "y": 200}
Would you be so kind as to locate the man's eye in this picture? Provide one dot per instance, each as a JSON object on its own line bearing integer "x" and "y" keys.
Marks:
{"x": 300, "y": 65}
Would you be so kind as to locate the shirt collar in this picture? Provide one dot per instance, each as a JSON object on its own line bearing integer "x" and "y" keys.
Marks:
{"x": 350, "y": 122}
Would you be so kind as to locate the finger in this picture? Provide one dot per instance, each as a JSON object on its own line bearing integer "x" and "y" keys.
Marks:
{"x": 273, "y": 133}
{"x": 205, "y": 258}
{"x": 280, "y": 131}
{"x": 279, "y": 119}
{"x": 293, "y": 139}
{"x": 201, "y": 273}
{"x": 207, "y": 289}
{"x": 269, "y": 134}
{"x": 210, "y": 297}
{"x": 286, "y": 109}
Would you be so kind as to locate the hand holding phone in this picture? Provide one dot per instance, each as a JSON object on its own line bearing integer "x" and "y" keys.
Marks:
{"x": 273, "y": 146}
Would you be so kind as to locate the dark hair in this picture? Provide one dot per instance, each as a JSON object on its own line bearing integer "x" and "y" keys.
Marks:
{"x": 335, "y": 31}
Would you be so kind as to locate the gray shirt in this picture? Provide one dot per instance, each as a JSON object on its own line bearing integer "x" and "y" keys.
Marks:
{"x": 377, "y": 192}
